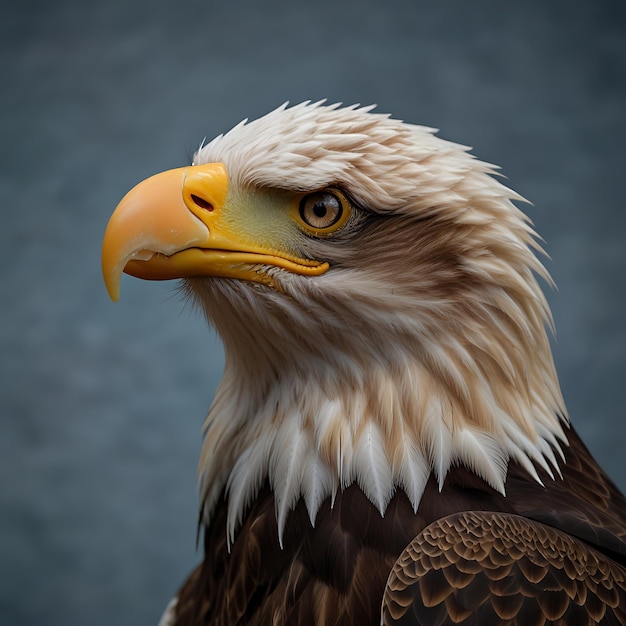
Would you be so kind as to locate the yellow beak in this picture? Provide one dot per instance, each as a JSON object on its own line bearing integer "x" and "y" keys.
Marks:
{"x": 171, "y": 226}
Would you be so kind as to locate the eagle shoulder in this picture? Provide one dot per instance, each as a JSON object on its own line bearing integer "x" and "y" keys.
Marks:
{"x": 537, "y": 551}
{"x": 491, "y": 568}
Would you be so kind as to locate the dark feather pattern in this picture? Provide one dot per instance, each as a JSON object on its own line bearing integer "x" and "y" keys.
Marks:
{"x": 488, "y": 568}
{"x": 540, "y": 555}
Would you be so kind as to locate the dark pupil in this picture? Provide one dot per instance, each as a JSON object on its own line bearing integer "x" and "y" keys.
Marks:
{"x": 319, "y": 208}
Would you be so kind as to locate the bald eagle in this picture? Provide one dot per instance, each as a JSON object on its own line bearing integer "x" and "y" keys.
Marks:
{"x": 389, "y": 443}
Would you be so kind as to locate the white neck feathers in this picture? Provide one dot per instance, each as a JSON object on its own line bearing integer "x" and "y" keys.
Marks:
{"x": 423, "y": 347}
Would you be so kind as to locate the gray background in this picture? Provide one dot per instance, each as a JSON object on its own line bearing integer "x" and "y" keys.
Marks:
{"x": 101, "y": 405}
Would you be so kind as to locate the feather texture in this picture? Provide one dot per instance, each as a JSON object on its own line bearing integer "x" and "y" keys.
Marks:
{"x": 488, "y": 568}
{"x": 389, "y": 440}
{"x": 424, "y": 342}
{"x": 468, "y": 552}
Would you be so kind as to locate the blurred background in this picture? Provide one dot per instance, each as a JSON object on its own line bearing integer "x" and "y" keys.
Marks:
{"x": 101, "y": 404}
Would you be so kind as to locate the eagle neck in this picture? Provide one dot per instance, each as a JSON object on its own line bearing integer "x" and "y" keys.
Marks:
{"x": 310, "y": 436}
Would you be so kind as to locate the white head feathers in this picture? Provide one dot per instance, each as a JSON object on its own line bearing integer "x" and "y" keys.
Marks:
{"x": 422, "y": 347}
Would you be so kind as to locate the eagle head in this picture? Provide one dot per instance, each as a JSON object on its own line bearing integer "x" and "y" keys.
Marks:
{"x": 376, "y": 292}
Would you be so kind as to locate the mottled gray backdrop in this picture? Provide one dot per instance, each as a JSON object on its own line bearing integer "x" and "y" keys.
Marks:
{"x": 101, "y": 404}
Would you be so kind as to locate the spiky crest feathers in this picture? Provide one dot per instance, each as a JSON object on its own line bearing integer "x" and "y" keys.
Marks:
{"x": 378, "y": 373}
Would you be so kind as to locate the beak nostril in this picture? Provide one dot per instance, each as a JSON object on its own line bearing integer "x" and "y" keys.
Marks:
{"x": 201, "y": 202}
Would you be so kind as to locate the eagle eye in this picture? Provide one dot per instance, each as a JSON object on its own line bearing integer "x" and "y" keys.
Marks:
{"x": 322, "y": 210}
